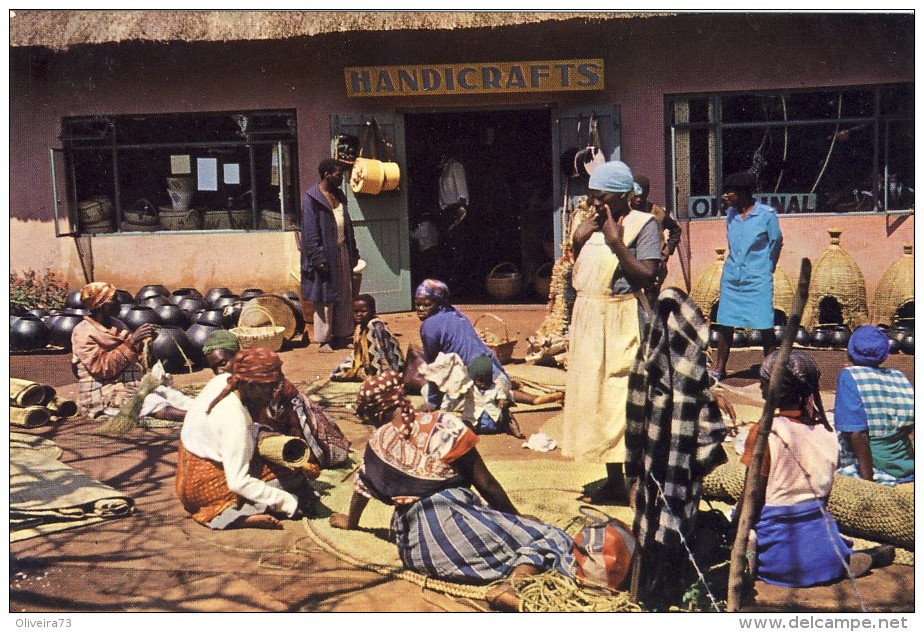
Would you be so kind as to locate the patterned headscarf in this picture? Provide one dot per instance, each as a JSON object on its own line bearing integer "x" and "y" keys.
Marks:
{"x": 868, "y": 346}
{"x": 434, "y": 290}
{"x": 380, "y": 394}
{"x": 221, "y": 339}
{"x": 800, "y": 382}
{"x": 256, "y": 365}
{"x": 95, "y": 295}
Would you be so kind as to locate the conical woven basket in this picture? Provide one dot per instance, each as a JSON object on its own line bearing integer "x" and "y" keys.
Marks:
{"x": 836, "y": 275}
{"x": 783, "y": 293}
{"x": 705, "y": 292}
{"x": 895, "y": 289}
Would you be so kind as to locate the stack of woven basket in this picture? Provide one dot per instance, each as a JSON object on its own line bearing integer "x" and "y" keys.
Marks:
{"x": 33, "y": 404}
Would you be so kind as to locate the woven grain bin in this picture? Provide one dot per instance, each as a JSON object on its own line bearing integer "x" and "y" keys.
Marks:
{"x": 705, "y": 292}
{"x": 836, "y": 276}
{"x": 783, "y": 292}
{"x": 895, "y": 289}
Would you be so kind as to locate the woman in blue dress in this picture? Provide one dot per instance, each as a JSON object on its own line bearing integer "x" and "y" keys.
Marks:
{"x": 754, "y": 244}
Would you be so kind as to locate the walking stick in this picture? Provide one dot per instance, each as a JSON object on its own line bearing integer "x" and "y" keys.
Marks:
{"x": 752, "y": 495}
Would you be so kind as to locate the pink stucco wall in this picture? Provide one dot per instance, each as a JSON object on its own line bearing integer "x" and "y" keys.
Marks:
{"x": 645, "y": 59}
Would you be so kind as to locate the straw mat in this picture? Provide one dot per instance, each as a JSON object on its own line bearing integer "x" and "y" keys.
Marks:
{"x": 48, "y": 496}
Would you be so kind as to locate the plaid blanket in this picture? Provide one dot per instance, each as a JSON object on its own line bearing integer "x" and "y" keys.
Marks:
{"x": 674, "y": 427}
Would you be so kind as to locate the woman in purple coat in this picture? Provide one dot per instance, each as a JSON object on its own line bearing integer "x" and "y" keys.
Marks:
{"x": 329, "y": 255}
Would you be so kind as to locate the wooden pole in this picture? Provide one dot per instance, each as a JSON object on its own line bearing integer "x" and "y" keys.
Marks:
{"x": 752, "y": 495}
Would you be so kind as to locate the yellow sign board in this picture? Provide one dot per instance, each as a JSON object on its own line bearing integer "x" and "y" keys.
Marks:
{"x": 478, "y": 78}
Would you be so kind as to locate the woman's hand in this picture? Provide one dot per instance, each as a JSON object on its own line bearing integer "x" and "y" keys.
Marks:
{"x": 613, "y": 231}
{"x": 340, "y": 521}
{"x": 145, "y": 332}
{"x": 726, "y": 407}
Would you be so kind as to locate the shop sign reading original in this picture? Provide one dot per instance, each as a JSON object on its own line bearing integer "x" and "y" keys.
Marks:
{"x": 784, "y": 203}
{"x": 479, "y": 78}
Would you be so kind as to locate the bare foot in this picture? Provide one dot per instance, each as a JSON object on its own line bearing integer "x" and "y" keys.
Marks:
{"x": 513, "y": 428}
{"x": 257, "y": 521}
{"x": 325, "y": 348}
{"x": 503, "y": 597}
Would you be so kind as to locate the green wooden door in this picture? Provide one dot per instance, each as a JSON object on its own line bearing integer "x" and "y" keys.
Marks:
{"x": 565, "y": 134}
{"x": 381, "y": 221}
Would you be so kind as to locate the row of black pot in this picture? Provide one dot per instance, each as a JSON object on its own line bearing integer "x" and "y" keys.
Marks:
{"x": 901, "y": 338}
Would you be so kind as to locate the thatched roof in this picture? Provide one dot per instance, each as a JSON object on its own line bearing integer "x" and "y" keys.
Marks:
{"x": 60, "y": 30}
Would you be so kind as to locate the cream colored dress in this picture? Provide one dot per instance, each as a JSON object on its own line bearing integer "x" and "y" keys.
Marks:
{"x": 604, "y": 340}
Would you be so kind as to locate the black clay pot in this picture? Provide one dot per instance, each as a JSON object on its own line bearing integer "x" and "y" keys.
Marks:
{"x": 151, "y": 290}
{"x": 755, "y": 338}
{"x": 60, "y": 328}
{"x": 713, "y": 338}
{"x": 178, "y": 295}
{"x": 28, "y": 333}
{"x": 191, "y": 304}
{"x": 821, "y": 338}
{"x": 840, "y": 336}
{"x": 215, "y": 293}
{"x": 894, "y": 346}
{"x": 231, "y": 314}
{"x": 223, "y": 301}
{"x": 73, "y": 299}
{"x": 172, "y": 316}
{"x": 197, "y": 333}
{"x": 123, "y": 310}
{"x": 739, "y": 338}
{"x": 73, "y": 311}
{"x": 172, "y": 347}
{"x": 908, "y": 344}
{"x": 802, "y": 337}
{"x": 139, "y": 315}
{"x": 123, "y": 296}
{"x": 778, "y": 333}
{"x": 155, "y": 301}
{"x": 250, "y": 293}
{"x": 38, "y": 312}
{"x": 210, "y": 317}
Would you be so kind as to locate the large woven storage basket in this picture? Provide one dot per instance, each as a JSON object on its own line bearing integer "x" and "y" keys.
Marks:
{"x": 270, "y": 335}
{"x": 282, "y": 312}
{"x": 172, "y": 219}
{"x": 504, "y": 281}
{"x": 895, "y": 289}
{"x": 835, "y": 275}
{"x": 501, "y": 346}
{"x": 224, "y": 219}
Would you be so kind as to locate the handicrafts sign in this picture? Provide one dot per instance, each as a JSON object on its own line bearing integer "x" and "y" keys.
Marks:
{"x": 480, "y": 78}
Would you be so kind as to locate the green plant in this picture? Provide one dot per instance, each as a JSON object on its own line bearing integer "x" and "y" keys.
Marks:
{"x": 31, "y": 291}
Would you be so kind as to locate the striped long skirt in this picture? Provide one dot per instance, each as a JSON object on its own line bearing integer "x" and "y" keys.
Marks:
{"x": 452, "y": 535}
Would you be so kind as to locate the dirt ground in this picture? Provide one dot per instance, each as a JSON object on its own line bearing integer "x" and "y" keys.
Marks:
{"x": 159, "y": 560}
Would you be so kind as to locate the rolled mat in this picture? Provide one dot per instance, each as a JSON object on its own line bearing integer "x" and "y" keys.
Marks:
{"x": 63, "y": 408}
{"x": 290, "y": 452}
{"x": 861, "y": 508}
{"x": 29, "y": 417}
{"x": 24, "y": 393}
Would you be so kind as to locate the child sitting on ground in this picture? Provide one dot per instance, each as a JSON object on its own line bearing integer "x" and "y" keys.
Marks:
{"x": 484, "y": 405}
{"x": 375, "y": 349}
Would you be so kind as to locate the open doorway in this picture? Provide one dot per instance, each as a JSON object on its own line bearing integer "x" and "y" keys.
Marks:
{"x": 508, "y": 218}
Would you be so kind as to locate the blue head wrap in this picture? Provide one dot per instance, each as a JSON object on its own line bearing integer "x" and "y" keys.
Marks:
{"x": 614, "y": 176}
{"x": 868, "y": 346}
{"x": 434, "y": 290}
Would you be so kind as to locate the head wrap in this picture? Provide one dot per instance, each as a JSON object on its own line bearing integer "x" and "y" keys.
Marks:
{"x": 434, "y": 290}
{"x": 380, "y": 394}
{"x": 799, "y": 382}
{"x": 614, "y": 176}
{"x": 256, "y": 365}
{"x": 868, "y": 346}
{"x": 95, "y": 295}
{"x": 481, "y": 367}
{"x": 221, "y": 339}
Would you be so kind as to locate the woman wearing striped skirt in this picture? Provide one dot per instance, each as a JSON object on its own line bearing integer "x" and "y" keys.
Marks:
{"x": 424, "y": 464}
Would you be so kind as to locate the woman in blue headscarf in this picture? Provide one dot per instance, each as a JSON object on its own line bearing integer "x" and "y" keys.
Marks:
{"x": 874, "y": 413}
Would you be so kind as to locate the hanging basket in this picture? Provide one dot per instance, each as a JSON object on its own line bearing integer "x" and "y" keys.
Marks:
{"x": 269, "y": 335}
{"x": 392, "y": 176}
{"x": 504, "y": 281}
{"x": 501, "y": 346}
{"x": 368, "y": 176}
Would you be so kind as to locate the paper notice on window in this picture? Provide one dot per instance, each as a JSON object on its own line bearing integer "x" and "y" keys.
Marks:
{"x": 207, "y": 172}
{"x": 179, "y": 165}
{"x": 232, "y": 173}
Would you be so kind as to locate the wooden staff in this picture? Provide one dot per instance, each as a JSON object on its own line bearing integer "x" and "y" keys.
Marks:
{"x": 752, "y": 495}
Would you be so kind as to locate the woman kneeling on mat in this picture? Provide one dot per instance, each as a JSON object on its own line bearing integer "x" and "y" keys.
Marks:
{"x": 425, "y": 464}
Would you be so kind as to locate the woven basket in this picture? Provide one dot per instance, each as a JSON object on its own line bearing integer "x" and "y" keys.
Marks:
{"x": 783, "y": 292}
{"x": 290, "y": 452}
{"x": 705, "y": 292}
{"x": 502, "y": 347}
{"x": 140, "y": 217}
{"x": 269, "y": 336}
{"x": 181, "y": 183}
{"x": 504, "y": 286}
{"x": 895, "y": 289}
{"x": 837, "y": 276}
{"x": 368, "y": 176}
{"x": 542, "y": 280}
{"x": 223, "y": 219}
{"x": 171, "y": 219}
{"x": 276, "y": 310}
{"x": 95, "y": 210}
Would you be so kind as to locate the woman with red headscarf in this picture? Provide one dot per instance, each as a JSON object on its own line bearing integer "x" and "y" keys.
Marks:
{"x": 219, "y": 478}
{"x": 425, "y": 465}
